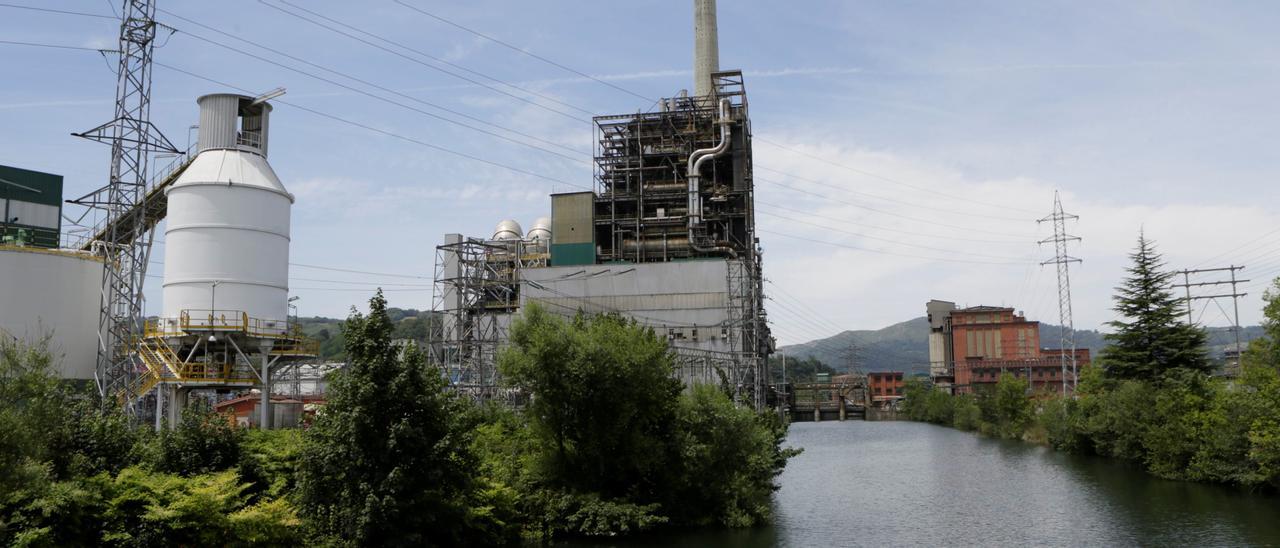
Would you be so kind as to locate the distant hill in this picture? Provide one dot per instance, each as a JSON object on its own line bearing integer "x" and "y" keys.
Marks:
{"x": 905, "y": 346}
{"x": 410, "y": 324}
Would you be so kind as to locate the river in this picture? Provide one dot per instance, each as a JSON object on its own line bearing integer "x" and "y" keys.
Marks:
{"x": 899, "y": 483}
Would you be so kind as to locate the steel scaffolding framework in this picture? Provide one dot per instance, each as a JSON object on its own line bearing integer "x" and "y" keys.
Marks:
{"x": 1067, "y": 331}
{"x": 477, "y": 289}
{"x": 126, "y": 244}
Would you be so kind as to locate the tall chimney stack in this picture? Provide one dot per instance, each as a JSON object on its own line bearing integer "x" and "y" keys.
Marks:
{"x": 706, "y": 49}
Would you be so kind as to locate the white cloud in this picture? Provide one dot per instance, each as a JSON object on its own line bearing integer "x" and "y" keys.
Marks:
{"x": 866, "y": 290}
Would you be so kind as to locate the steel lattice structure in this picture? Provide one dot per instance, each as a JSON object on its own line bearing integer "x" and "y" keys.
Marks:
{"x": 125, "y": 242}
{"x": 1067, "y": 331}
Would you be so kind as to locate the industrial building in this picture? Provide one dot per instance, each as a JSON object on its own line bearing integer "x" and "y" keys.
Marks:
{"x": 971, "y": 347}
{"x": 885, "y": 387}
{"x": 224, "y": 326}
{"x": 46, "y": 293}
{"x": 666, "y": 237}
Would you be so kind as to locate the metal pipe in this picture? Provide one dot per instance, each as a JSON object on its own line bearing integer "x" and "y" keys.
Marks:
{"x": 694, "y": 173}
{"x": 677, "y": 243}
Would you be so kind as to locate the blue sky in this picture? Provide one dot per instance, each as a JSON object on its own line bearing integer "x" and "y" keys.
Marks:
{"x": 943, "y": 129}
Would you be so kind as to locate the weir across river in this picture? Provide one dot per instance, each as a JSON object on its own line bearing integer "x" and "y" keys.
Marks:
{"x": 825, "y": 401}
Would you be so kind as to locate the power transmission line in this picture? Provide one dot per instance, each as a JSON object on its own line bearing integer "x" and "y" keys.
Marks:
{"x": 63, "y": 12}
{"x": 889, "y": 229}
{"x": 888, "y": 199}
{"x": 886, "y": 179}
{"x": 881, "y": 211}
{"x": 55, "y": 46}
{"x": 1235, "y": 296}
{"x": 522, "y": 51}
{"x": 389, "y": 101}
{"x": 883, "y": 252}
{"x": 419, "y": 61}
{"x": 379, "y": 130}
{"x": 1235, "y": 249}
{"x": 440, "y": 60}
{"x": 347, "y": 76}
{"x": 869, "y": 237}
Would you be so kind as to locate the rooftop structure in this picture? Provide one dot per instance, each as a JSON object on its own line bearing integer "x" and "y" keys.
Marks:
{"x": 30, "y": 208}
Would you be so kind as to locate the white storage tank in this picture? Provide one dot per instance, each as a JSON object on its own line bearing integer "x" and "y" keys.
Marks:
{"x": 54, "y": 294}
{"x": 508, "y": 230}
{"x": 541, "y": 231}
{"x": 227, "y": 237}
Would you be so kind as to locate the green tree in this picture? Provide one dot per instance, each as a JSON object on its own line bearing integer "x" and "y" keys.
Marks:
{"x": 32, "y": 404}
{"x": 604, "y": 400}
{"x": 1011, "y": 406}
{"x": 1265, "y": 351}
{"x": 1152, "y": 340}
{"x": 729, "y": 457}
{"x": 387, "y": 461}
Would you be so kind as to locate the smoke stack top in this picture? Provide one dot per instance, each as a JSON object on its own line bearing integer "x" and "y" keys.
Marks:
{"x": 706, "y": 49}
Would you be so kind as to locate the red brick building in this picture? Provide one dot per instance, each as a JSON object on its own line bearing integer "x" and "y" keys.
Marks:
{"x": 979, "y": 343}
{"x": 885, "y": 386}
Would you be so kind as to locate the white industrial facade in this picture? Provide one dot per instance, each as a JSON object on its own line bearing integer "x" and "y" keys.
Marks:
{"x": 54, "y": 294}
{"x": 685, "y": 301}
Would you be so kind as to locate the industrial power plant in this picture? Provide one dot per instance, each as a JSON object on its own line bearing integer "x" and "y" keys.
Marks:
{"x": 666, "y": 238}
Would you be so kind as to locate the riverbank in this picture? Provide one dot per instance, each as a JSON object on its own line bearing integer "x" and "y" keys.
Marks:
{"x": 904, "y": 483}
{"x": 1188, "y": 427}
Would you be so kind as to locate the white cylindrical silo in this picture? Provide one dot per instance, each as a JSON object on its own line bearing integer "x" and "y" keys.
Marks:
{"x": 227, "y": 237}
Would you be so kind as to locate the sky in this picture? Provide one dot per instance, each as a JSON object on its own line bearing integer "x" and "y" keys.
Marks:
{"x": 903, "y": 150}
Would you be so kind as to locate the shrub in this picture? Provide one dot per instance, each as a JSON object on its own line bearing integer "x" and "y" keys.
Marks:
{"x": 201, "y": 442}
{"x": 729, "y": 457}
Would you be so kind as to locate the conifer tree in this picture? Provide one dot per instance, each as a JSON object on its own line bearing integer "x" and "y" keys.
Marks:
{"x": 1151, "y": 340}
{"x": 387, "y": 461}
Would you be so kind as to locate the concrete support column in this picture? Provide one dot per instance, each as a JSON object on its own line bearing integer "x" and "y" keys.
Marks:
{"x": 842, "y": 400}
{"x": 159, "y": 406}
{"x": 177, "y": 404}
{"x": 264, "y": 421}
{"x": 817, "y": 413}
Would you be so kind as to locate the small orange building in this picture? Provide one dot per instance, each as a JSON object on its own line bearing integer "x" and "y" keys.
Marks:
{"x": 244, "y": 410}
{"x": 885, "y": 386}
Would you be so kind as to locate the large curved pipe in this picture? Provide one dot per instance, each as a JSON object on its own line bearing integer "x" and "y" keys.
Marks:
{"x": 694, "y": 171}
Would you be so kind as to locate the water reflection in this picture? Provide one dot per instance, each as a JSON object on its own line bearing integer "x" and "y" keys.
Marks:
{"x": 900, "y": 483}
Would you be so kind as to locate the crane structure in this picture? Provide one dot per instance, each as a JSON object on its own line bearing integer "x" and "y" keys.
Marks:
{"x": 124, "y": 235}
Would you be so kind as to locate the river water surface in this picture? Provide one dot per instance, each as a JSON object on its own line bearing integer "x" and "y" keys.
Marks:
{"x": 901, "y": 483}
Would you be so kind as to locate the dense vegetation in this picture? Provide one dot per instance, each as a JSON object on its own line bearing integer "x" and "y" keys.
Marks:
{"x": 609, "y": 445}
{"x": 1150, "y": 400}
{"x": 73, "y": 475}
